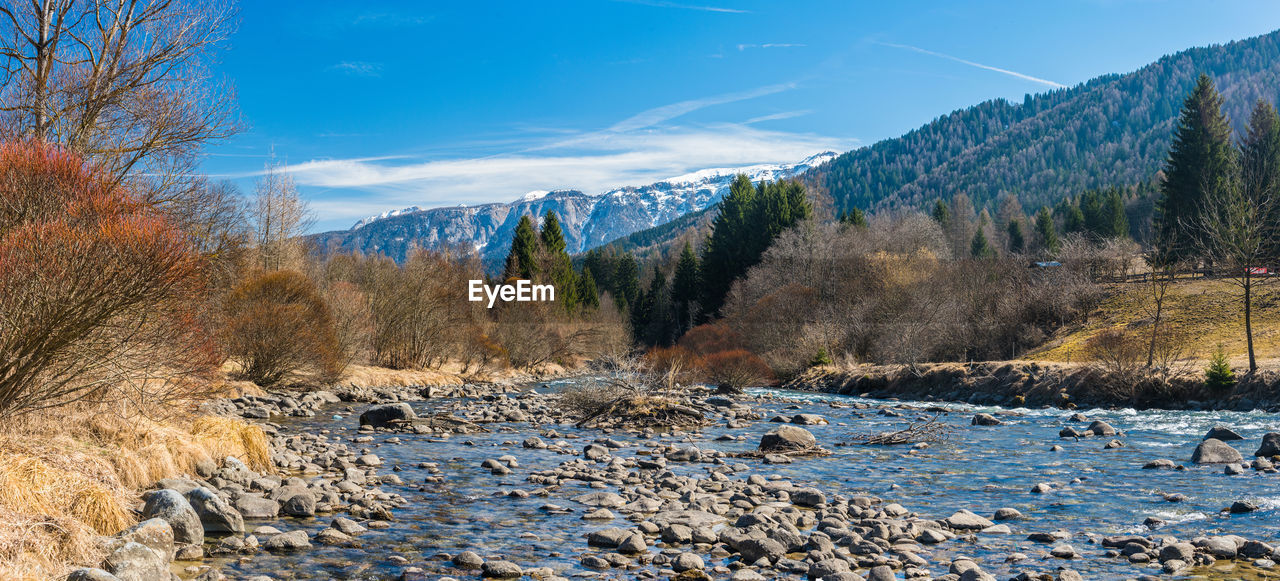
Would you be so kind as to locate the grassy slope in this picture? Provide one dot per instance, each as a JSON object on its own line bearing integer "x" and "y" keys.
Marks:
{"x": 1201, "y": 314}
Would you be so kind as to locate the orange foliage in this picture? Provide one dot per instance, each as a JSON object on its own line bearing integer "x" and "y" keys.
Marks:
{"x": 278, "y": 325}
{"x": 710, "y": 338}
{"x": 685, "y": 364}
{"x": 737, "y": 368}
{"x": 98, "y": 294}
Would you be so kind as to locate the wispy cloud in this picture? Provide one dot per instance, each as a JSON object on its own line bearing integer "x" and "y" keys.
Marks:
{"x": 665, "y": 4}
{"x": 1016, "y": 74}
{"x": 390, "y": 19}
{"x": 743, "y": 47}
{"x": 658, "y": 115}
{"x": 358, "y": 68}
{"x": 776, "y": 116}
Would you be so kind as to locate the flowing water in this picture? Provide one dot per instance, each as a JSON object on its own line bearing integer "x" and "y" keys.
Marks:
{"x": 976, "y": 468}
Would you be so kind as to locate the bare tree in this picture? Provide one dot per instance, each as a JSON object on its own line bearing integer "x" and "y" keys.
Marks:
{"x": 124, "y": 83}
{"x": 1164, "y": 268}
{"x": 280, "y": 217}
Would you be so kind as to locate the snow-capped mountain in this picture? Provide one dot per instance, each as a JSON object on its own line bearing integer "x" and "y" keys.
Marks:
{"x": 588, "y": 220}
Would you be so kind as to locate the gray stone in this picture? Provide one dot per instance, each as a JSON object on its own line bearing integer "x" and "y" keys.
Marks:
{"x": 155, "y": 534}
{"x": 467, "y": 560}
{"x": 88, "y": 574}
{"x": 753, "y": 550}
{"x": 1101, "y": 428}
{"x": 136, "y": 562}
{"x": 787, "y": 438}
{"x": 387, "y": 415}
{"x": 1223, "y": 433}
{"x": 171, "y": 506}
{"x": 215, "y": 514}
{"x": 686, "y": 562}
{"x": 1007, "y": 514}
{"x": 300, "y": 504}
{"x": 965, "y": 520}
{"x": 810, "y": 497}
{"x": 290, "y": 541}
{"x": 1213, "y": 451}
{"x": 501, "y": 570}
{"x": 1270, "y": 445}
{"x": 985, "y": 420}
{"x": 256, "y": 506}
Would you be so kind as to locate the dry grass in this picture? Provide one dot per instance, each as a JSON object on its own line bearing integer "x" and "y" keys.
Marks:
{"x": 1201, "y": 314}
{"x": 70, "y": 474}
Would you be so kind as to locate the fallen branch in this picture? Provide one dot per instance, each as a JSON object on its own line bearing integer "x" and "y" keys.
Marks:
{"x": 930, "y": 430}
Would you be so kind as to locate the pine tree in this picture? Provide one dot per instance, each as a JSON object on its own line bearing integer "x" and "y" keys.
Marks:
{"x": 1114, "y": 223}
{"x": 1046, "y": 230}
{"x": 685, "y": 290}
{"x": 559, "y": 267}
{"x": 1260, "y": 171}
{"x": 854, "y": 217}
{"x": 1200, "y": 158}
{"x": 749, "y": 219}
{"x": 522, "y": 260}
{"x": 626, "y": 282}
{"x": 1073, "y": 222}
{"x": 588, "y": 293}
{"x": 1219, "y": 376}
{"x": 942, "y": 214}
{"x": 1017, "y": 243}
{"x": 980, "y": 248}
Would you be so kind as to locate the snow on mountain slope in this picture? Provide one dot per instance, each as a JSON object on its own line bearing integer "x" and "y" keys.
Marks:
{"x": 588, "y": 220}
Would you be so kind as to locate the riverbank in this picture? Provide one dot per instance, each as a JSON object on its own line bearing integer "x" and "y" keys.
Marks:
{"x": 771, "y": 485}
{"x": 1035, "y": 383}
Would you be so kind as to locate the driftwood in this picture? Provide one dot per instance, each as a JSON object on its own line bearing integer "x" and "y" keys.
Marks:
{"x": 634, "y": 410}
{"x": 930, "y": 430}
{"x": 443, "y": 422}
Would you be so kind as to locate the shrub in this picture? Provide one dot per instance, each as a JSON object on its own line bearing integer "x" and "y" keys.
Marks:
{"x": 1117, "y": 352}
{"x": 678, "y": 363}
{"x": 710, "y": 338}
{"x": 98, "y": 293}
{"x": 1219, "y": 376}
{"x": 352, "y": 322}
{"x": 820, "y": 359}
{"x": 736, "y": 369}
{"x": 280, "y": 325}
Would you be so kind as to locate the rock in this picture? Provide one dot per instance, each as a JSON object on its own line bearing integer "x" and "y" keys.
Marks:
{"x": 155, "y": 534}
{"x": 534, "y": 443}
{"x": 1063, "y": 552}
{"x": 810, "y": 497}
{"x": 931, "y": 537}
{"x": 1220, "y": 547}
{"x": 387, "y": 415}
{"x": 1270, "y": 445}
{"x": 967, "y": 521}
{"x": 808, "y": 420}
{"x": 1222, "y": 433}
{"x": 1213, "y": 451}
{"x": 1101, "y": 428}
{"x": 347, "y": 525}
{"x": 368, "y": 460}
{"x": 686, "y": 562}
{"x": 1007, "y": 514}
{"x": 633, "y": 544}
{"x": 1041, "y": 488}
{"x": 300, "y": 504}
{"x": 881, "y": 573}
{"x": 134, "y": 561}
{"x": 1232, "y": 470}
{"x": 595, "y": 452}
{"x": 467, "y": 560}
{"x": 290, "y": 541}
{"x": 985, "y": 420}
{"x": 787, "y": 438}
{"x": 332, "y": 536}
{"x": 601, "y": 499}
{"x": 87, "y": 574}
{"x": 1181, "y": 551}
{"x": 686, "y": 454}
{"x": 1070, "y": 432}
{"x": 827, "y": 568}
{"x": 256, "y": 506}
{"x": 216, "y": 516}
{"x": 1113, "y": 444}
{"x": 171, "y": 506}
{"x": 746, "y": 575}
{"x": 753, "y": 550}
{"x": 1242, "y": 507}
{"x": 608, "y": 538}
{"x": 1160, "y": 464}
{"x": 1050, "y": 537}
{"x": 501, "y": 570}
{"x": 1065, "y": 574}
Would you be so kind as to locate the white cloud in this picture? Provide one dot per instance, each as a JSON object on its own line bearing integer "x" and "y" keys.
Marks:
{"x": 595, "y": 164}
{"x": 657, "y": 115}
{"x": 978, "y": 65}
{"x": 359, "y": 68}
{"x": 666, "y": 4}
{"x": 743, "y": 47}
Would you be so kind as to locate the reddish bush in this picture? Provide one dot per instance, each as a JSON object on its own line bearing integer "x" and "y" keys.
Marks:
{"x": 97, "y": 292}
{"x": 278, "y": 325}
{"x": 736, "y": 369}
{"x": 685, "y": 365}
{"x": 710, "y": 338}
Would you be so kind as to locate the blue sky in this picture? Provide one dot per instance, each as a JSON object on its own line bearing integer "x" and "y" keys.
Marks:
{"x": 376, "y": 106}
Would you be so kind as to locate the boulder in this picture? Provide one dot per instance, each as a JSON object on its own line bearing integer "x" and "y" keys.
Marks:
{"x": 808, "y": 420}
{"x": 501, "y": 570}
{"x": 299, "y": 504}
{"x": 467, "y": 560}
{"x": 810, "y": 497}
{"x": 787, "y": 438}
{"x": 290, "y": 541}
{"x": 1214, "y": 451}
{"x": 134, "y": 561}
{"x": 1270, "y": 445}
{"x": 965, "y": 520}
{"x": 753, "y": 550}
{"x": 1101, "y": 428}
{"x": 174, "y": 509}
{"x": 387, "y": 415}
{"x": 608, "y": 538}
{"x": 985, "y": 420}
{"x": 688, "y": 562}
{"x": 216, "y": 516}
{"x": 1222, "y": 433}
{"x": 89, "y": 574}
{"x": 155, "y": 534}
{"x": 256, "y": 506}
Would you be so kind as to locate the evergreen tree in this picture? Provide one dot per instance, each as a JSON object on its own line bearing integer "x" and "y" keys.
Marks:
{"x": 1073, "y": 220}
{"x": 1017, "y": 243}
{"x": 652, "y": 321}
{"x": 1046, "y": 230}
{"x": 588, "y": 293}
{"x": 685, "y": 290}
{"x": 1260, "y": 171}
{"x": 1200, "y": 158}
{"x": 1113, "y": 221}
{"x": 522, "y": 260}
{"x": 626, "y": 282}
{"x": 1219, "y": 376}
{"x": 854, "y": 217}
{"x": 942, "y": 214}
{"x": 559, "y": 264}
{"x": 749, "y": 219}
{"x": 980, "y": 248}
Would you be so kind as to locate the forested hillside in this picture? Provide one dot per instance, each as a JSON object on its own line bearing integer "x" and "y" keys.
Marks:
{"x": 1109, "y": 131}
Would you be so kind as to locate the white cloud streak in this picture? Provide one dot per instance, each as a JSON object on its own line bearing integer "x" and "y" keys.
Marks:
{"x": 1016, "y": 74}
{"x": 359, "y": 68}
{"x": 701, "y": 8}
{"x": 743, "y": 47}
{"x": 658, "y": 115}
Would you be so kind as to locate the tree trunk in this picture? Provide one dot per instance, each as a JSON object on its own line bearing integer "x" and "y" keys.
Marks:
{"x": 1248, "y": 321}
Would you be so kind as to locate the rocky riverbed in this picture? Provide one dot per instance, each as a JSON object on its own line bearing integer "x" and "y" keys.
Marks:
{"x": 497, "y": 482}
